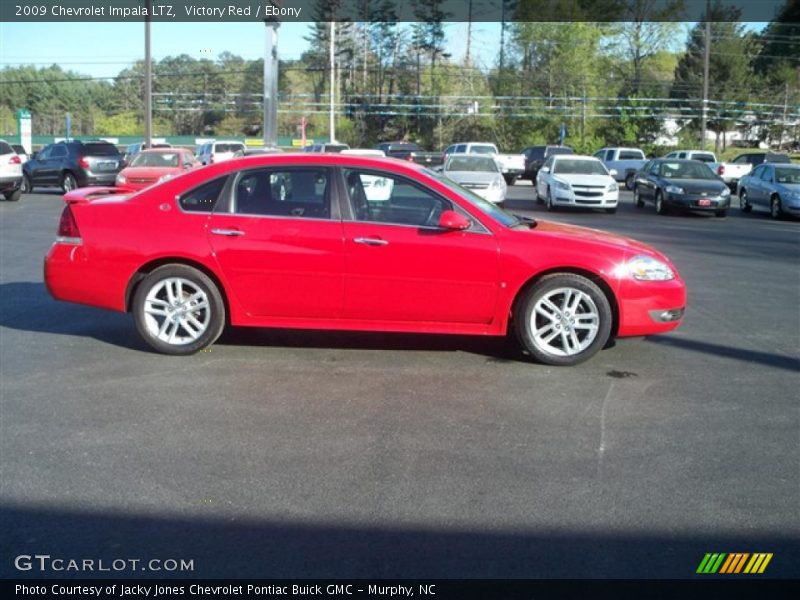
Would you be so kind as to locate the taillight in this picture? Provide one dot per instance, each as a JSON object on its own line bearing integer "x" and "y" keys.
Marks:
{"x": 14, "y": 160}
{"x": 68, "y": 227}
{"x": 721, "y": 170}
{"x": 84, "y": 162}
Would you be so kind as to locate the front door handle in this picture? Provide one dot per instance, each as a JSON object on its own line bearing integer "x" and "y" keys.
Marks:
{"x": 227, "y": 232}
{"x": 370, "y": 241}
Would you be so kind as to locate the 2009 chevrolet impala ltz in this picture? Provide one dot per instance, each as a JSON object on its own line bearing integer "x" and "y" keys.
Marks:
{"x": 348, "y": 242}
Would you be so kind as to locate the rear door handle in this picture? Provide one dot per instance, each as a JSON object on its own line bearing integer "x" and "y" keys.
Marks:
{"x": 227, "y": 232}
{"x": 370, "y": 241}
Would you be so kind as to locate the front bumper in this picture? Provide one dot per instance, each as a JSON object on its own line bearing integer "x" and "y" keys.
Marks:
{"x": 650, "y": 307}
{"x": 493, "y": 195}
{"x": 697, "y": 202}
{"x": 580, "y": 199}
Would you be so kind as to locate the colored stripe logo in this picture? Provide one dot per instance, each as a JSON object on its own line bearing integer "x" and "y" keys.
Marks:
{"x": 734, "y": 563}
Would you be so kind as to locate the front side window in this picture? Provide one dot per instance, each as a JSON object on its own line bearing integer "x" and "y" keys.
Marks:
{"x": 58, "y": 151}
{"x": 385, "y": 198}
{"x": 301, "y": 193}
{"x": 766, "y": 174}
{"x": 757, "y": 172}
{"x": 609, "y": 155}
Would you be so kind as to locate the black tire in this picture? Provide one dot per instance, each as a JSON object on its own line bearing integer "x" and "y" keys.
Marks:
{"x": 510, "y": 179}
{"x": 213, "y": 316}
{"x": 775, "y": 210}
{"x": 661, "y": 206}
{"x": 68, "y": 182}
{"x": 13, "y": 196}
{"x": 26, "y": 186}
{"x": 525, "y": 319}
{"x": 548, "y": 200}
{"x": 630, "y": 181}
{"x": 744, "y": 205}
{"x": 637, "y": 198}
{"x": 721, "y": 213}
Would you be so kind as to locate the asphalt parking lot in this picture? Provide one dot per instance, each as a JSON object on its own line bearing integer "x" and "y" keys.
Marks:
{"x": 316, "y": 455}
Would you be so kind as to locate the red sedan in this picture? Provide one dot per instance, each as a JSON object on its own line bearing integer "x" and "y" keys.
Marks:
{"x": 295, "y": 241}
{"x": 153, "y": 166}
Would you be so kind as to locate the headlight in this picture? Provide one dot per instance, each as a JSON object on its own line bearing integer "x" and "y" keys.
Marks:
{"x": 674, "y": 189}
{"x": 121, "y": 180}
{"x": 794, "y": 195}
{"x": 725, "y": 192}
{"x": 612, "y": 187}
{"x": 497, "y": 184}
{"x": 645, "y": 268}
{"x": 563, "y": 185}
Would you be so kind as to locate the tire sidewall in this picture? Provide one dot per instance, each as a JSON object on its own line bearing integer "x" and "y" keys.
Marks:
{"x": 201, "y": 280}
{"x": 522, "y": 317}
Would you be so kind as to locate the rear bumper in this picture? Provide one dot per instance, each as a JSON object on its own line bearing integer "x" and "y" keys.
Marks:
{"x": 69, "y": 277}
{"x": 9, "y": 183}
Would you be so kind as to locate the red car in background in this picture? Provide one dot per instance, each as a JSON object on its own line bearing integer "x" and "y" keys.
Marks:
{"x": 293, "y": 241}
{"x": 155, "y": 165}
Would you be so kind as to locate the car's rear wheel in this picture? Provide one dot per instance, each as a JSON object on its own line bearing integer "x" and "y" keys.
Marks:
{"x": 637, "y": 197}
{"x": 510, "y": 179}
{"x": 68, "y": 182}
{"x": 563, "y": 319}
{"x": 775, "y": 210}
{"x": 630, "y": 181}
{"x": 26, "y": 187}
{"x": 13, "y": 196}
{"x": 661, "y": 206}
{"x": 743, "y": 203}
{"x": 178, "y": 310}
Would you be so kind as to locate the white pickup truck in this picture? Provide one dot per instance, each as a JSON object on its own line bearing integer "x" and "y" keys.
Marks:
{"x": 511, "y": 165}
{"x": 732, "y": 172}
{"x": 625, "y": 161}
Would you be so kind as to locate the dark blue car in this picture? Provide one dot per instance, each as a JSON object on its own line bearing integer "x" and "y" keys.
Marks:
{"x": 681, "y": 184}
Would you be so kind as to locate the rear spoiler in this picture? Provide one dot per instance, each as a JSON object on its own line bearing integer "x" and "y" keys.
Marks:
{"x": 87, "y": 194}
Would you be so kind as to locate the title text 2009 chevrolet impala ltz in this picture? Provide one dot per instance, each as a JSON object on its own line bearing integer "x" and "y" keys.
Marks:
{"x": 348, "y": 242}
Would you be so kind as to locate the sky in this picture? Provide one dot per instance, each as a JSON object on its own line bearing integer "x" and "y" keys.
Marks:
{"x": 104, "y": 49}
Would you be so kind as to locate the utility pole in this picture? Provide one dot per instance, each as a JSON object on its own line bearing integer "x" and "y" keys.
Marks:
{"x": 706, "y": 57}
{"x": 332, "y": 57}
{"x": 270, "y": 129}
{"x": 148, "y": 80}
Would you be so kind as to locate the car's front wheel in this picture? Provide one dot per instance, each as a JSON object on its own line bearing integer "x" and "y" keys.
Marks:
{"x": 563, "y": 320}
{"x": 548, "y": 199}
{"x": 637, "y": 197}
{"x": 661, "y": 206}
{"x": 775, "y": 210}
{"x": 178, "y": 310}
{"x": 744, "y": 204}
{"x": 26, "y": 187}
{"x": 630, "y": 181}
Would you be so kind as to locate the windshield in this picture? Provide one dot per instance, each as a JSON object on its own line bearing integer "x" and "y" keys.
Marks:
{"x": 685, "y": 170}
{"x": 481, "y": 164}
{"x": 486, "y": 207}
{"x": 155, "y": 159}
{"x": 787, "y": 175}
{"x": 579, "y": 167}
{"x": 482, "y": 149}
{"x": 228, "y": 147}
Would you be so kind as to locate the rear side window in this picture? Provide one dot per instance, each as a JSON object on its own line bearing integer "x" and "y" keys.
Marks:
{"x": 100, "y": 149}
{"x": 631, "y": 155}
{"x": 203, "y": 198}
{"x": 300, "y": 193}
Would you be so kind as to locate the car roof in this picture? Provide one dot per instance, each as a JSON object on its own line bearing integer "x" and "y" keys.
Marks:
{"x": 323, "y": 159}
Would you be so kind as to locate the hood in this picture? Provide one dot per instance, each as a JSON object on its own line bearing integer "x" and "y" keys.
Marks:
{"x": 472, "y": 176}
{"x": 699, "y": 186}
{"x": 791, "y": 187}
{"x": 605, "y": 238}
{"x": 578, "y": 179}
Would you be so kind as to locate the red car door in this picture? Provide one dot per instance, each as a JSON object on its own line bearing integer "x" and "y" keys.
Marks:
{"x": 400, "y": 267}
{"x": 280, "y": 246}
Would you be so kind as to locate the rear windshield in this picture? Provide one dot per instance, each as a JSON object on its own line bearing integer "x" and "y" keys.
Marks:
{"x": 100, "y": 149}
{"x": 403, "y": 148}
{"x": 559, "y": 150}
{"x": 228, "y": 147}
{"x": 631, "y": 155}
{"x": 336, "y": 147}
{"x": 18, "y": 149}
{"x": 482, "y": 149}
{"x": 482, "y": 164}
{"x": 706, "y": 158}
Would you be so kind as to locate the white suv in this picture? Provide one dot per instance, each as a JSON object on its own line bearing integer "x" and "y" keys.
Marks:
{"x": 10, "y": 172}
{"x": 218, "y": 151}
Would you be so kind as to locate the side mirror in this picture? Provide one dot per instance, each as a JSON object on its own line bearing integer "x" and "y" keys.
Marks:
{"x": 450, "y": 219}
{"x": 545, "y": 169}
{"x": 612, "y": 172}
